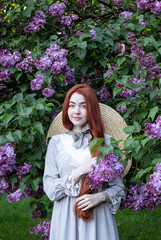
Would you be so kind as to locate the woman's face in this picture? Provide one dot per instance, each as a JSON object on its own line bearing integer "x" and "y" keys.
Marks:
{"x": 77, "y": 111}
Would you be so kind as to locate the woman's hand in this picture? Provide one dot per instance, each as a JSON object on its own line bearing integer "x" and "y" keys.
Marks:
{"x": 83, "y": 169}
{"x": 88, "y": 201}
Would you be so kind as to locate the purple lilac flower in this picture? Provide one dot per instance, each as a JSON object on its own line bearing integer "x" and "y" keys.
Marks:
{"x": 36, "y": 84}
{"x": 69, "y": 75}
{"x": 67, "y": 20}
{"x": 56, "y": 9}
{"x": 79, "y": 33}
{"x": 104, "y": 94}
{"x": 7, "y": 59}
{"x": 57, "y": 67}
{"x": 155, "y": 7}
{"x": 122, "y": 109}
{"x": 127, "y": 15}
{"x": 102, "y": 8}
{"x": 37, "y": 213}
{"x": 26, "y": 64}
{"x": 107, "y": 168}
{"x": 23, "y": 170}
{"x": 43, "y": 227}
{"x": 141, "y": 22}
{"x": 153, "y": 130}
{"x": 5, "y": 75}
{"x": 7, "y": 159}
{"x": 18, "y": 195}
{"x": 44, "y": 63}
{"x": 86, "y": 79}
{"x": 110, "y": 72}
{"x": 147, "y": 195}
{"x": 4, "y": 185}
{"x": 48, "y": 92}
{"x": 143, "y": 4}
{"x": 93, "y": 34}
{"x": 117, "y": 1}
{"x": 81, "y": 3}
{"x": 145, "y": 61}
{"x": 36, "y": 23}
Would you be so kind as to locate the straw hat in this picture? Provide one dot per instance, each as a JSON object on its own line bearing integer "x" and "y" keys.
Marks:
{"x": 113, "y": 125}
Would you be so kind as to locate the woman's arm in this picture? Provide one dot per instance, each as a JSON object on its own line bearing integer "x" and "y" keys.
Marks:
{"x": 56, "y": 187}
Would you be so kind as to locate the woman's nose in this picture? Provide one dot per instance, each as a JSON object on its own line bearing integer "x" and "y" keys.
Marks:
{"x": 77, "y": 110}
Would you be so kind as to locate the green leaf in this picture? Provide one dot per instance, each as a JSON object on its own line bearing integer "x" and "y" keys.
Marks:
{"x": 117, "y": 90}
{"x": 82, "y": 45}
{"x": 130, "y": 129}
{"x": 120, "y": 60}
{"x": 144, "y": 141}
{"x": 105, "y": 149}
{"x": 81, "y": 53}
{"x": 73, "y": 43}
{"x": 18, "y": 134}
{"x": 35, "y": 184}
{"x": 129, "y": 142}
{"x": 38, "y": 126}
{"x": 153, "y": 112}
{"x": 137, "y": 127}
{"x": 156, "y": 160}
{"x": 9, "y": 137}
{"x": 142, "y": 172}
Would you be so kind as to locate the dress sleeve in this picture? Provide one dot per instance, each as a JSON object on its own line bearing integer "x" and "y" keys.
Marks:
{"x": 116, "y": 192}
{"x": 56, "y": 187}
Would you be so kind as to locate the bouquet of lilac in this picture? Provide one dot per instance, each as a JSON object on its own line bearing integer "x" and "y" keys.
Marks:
{"x": 107, "y": 168}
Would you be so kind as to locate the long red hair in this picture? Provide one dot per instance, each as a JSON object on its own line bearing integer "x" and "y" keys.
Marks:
{"x": 96, "y": 127}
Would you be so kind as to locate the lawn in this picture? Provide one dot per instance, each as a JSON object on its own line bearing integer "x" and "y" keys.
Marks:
{"x": 15, "y": 222}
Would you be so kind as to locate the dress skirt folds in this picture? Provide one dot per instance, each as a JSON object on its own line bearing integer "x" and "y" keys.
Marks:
{"x": 61, "y": 158}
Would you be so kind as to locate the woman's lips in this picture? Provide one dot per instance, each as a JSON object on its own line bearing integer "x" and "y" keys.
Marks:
{"x": 76, "y": 118}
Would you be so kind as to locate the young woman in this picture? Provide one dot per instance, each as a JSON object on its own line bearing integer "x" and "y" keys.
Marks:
{"x": 79, "y": 213}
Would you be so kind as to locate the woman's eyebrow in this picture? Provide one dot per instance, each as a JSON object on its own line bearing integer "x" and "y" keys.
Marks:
{"x": 80, "y": 102}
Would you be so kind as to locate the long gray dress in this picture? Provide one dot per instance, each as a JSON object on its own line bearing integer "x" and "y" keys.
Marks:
{"x": 61, "y": 159}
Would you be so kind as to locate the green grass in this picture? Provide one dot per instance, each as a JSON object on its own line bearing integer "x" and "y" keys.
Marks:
{"x": 15, "y": 222}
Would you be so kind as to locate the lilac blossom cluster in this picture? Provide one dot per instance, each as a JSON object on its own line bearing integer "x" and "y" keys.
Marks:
{"x": 85, "y": 79}
{"x": 104, "y": 94}
{"x": 122, "y": 109}
{"x": 67, "y": 20}
{"x": 145, "y": 61}
{"x": 81, "y": 3}
{"x": 4, "y": 185}
{"x": 36, "y": 84}
{"x": 17, "y": 195}
{"x": 7, "y": 159}
{"x": 153, "y": 130}
{"x": 127, "y": 15}
{"x": 7, "y": 60}
{"x": 36, "y": 23}
{"x": 23, "y": 170}
{"x": 154, "y": 6}
{"x": 55, "y": 58}
{"x": 93, "y": 34}
{"x": 107, "y": 168}
{"x": 127, "y": 92}
{"x": 56, "y": 9}
{"x": 43, "y": 227}
{"x": 26, "y": 64}
{"x": 147, "y": 195}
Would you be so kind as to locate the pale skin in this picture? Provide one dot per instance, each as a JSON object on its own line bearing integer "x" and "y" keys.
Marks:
{"x": 77, "y": 115}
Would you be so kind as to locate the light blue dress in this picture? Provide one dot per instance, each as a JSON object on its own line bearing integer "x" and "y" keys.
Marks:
{"x": 61, "y": 159}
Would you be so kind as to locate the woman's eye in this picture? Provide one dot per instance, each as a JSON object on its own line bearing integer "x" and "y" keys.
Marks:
{"x": 71, "y": 105}
{"x": 83, "y": 106}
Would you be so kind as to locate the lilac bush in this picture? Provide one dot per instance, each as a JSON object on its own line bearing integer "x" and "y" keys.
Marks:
{"x": 47, "y": 48}
{"x": 43, "y": 227}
